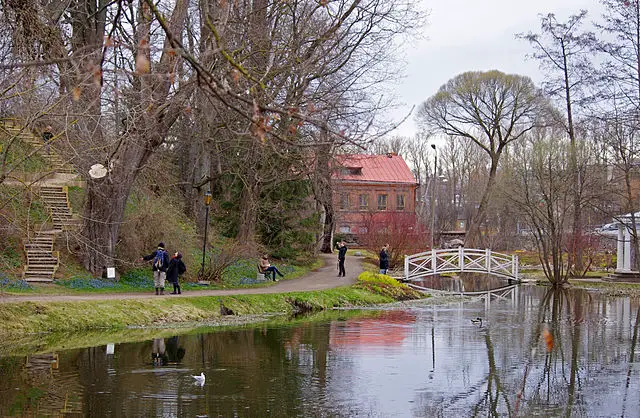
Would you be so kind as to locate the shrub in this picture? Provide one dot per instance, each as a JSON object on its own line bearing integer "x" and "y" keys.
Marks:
{"x": 386, "y": 286}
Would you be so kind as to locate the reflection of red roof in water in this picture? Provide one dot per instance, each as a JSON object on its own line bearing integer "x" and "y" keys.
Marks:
{"x": 390, "y": 328}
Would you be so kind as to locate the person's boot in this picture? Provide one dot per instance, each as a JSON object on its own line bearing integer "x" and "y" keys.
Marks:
{"x": 174, "y": 290}
{"x": 162, "y": 290}
{"x": 157, "y": 291}
{"x": 179, "y": 292}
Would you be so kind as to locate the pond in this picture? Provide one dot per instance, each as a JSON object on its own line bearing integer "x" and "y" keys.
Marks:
{"x": 535, "y": 353}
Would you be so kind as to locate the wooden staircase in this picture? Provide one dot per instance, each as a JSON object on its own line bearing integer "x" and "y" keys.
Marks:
{"x": 42, "y": 261}
{"x": 56, "y": 200}
{"x": 46, "y": 151}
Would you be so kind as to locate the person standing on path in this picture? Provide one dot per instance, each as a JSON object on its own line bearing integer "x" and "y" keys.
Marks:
{"x": 174, "y": 271}
{"x": 342, "y": 253}
{"x": 384, "y": 259}
{"x": 159, "y": 267}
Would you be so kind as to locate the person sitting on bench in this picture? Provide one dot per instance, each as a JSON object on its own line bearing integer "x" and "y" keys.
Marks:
{"x": 265, "y": 267}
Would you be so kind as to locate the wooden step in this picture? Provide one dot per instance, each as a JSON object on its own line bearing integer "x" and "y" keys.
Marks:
{"x": 49, "y": 268}
{"x": 47, "y": 247}
{"x": 40, "y": 238}
{"x": 42, "y": 260}
{"x": 36, "y": 244}
{"x": 37, "y": 279}
{"x": 37, "y": 251}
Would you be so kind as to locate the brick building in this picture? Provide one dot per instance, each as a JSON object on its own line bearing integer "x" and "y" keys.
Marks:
{"x": 373, "y": 194}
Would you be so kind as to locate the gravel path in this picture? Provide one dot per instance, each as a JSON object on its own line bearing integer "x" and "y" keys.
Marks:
{"x": 325, "y": 277}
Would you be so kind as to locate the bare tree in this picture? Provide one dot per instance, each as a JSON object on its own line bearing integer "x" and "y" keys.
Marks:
{"x": 563, "y": 51}
{"x": 617, "y": 111}
{"x": 539, "y": 187}
{"x": 491, "y": 109}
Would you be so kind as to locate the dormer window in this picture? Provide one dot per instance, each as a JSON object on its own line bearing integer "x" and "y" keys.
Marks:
{"x": 351, "y": 171}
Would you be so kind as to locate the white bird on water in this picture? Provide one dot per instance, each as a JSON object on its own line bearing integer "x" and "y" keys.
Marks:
{"x": 199, "y": 379}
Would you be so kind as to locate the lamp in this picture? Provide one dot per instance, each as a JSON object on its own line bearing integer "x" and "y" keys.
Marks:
{"x": 433, "y": 194}
{"x": 207, "y": 202}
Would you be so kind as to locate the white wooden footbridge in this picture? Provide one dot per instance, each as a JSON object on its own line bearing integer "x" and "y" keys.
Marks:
{"x": 464, "y": 260}
{"x": 460, "y": 260}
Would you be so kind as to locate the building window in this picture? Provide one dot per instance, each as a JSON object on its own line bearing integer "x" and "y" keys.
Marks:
{"x": 382, "y": 202}
{"x": 345, "y": 230}
{"x": 344, "y": 201}
{"x": 363, "y": 201}
{"x": 400, "y": 202}
{"x": 364, "y": 230}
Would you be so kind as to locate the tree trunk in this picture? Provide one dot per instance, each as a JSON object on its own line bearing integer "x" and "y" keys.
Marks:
{"x": 103, "y": 216}
{"x": 473, "y": 238}
{"x": 249, "y": 211}
{"x": 327, "y": 230}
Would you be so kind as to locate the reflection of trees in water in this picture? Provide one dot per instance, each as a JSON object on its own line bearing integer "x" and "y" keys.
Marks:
{"x": 581, "y": 345}
{"x": 579, "y": 372}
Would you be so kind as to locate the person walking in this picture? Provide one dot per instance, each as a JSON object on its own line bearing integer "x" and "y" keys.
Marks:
{"x": 342, "y": 253}
{"x": 174, "y": 271}
{"x": 384, "y": 259}
{"x": 159, "y": 267}
{"x": 47, "y": 136}
{"x": 265, "y": 267}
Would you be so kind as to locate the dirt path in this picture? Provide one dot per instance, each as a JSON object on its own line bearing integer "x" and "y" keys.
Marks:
{"x": 325, "y": 277}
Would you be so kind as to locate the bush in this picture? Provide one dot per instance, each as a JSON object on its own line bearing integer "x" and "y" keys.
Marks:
{"x": 150, "y": 221}
{"x": 386, "y": 286}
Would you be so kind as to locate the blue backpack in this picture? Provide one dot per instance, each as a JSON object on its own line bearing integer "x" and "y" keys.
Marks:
{"x": 158, "y": 260}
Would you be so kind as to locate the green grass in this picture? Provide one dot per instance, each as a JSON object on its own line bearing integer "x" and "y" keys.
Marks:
{"x": 140, "y": 280}
{"x": 19, "y": 150}
{"x": 33, "y": 317}
{"x": 16, "y": 345}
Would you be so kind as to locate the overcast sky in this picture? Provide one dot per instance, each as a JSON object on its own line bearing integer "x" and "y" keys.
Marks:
{"x": 469, "y": 35}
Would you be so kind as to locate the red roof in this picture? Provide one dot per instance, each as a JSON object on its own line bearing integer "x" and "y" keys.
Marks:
{"x": 389, "y": 168}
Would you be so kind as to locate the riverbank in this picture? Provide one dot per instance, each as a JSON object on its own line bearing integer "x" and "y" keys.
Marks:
{"x": 24, "y": 315}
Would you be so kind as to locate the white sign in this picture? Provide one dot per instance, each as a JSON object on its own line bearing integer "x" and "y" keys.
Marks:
{"x": 111, "y": 272}
{"x": 97, "y": 171}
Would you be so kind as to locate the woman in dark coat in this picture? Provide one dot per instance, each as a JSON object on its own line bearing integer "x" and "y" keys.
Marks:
{"x": 384, "y": 259}
{"x": 175, "y": 269}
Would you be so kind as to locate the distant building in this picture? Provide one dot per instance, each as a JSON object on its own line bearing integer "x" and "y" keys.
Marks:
{"x": 373, "y": 191}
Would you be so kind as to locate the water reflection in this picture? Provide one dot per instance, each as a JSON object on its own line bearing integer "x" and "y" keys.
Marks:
{"x": 465, "y": 282}
{"x": 417, "y": 361}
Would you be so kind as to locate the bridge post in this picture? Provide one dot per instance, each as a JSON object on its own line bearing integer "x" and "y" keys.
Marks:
{"x": 406, "y": 267}
{"x": 434, "y": 261}
{"x": 461, "y": 258}
{"x": 514, "y": 266}
{"x": 487, "y": 259}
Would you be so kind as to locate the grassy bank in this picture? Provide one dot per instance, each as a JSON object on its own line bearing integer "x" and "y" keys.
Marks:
{"x": 65, "y": 317}
{"x": 17, "y": 345}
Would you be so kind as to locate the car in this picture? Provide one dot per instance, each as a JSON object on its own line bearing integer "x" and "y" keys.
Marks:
{"x": 611, "y": 229}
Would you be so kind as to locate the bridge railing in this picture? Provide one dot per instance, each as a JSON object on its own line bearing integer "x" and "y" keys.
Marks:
{"x": 462, "y": 260}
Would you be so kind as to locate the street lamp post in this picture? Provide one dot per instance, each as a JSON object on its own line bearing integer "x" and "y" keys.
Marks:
{"x": 207, "y": 203}
{"x": 433, "y": 194}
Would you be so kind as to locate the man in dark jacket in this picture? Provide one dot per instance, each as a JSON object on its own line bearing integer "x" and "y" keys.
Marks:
{"x": 342, "y": 253}
{"x": 160, "y": 259}
{"x": 384, "y": 259}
